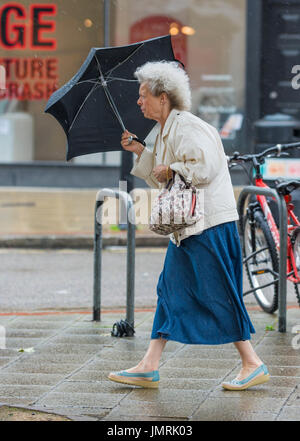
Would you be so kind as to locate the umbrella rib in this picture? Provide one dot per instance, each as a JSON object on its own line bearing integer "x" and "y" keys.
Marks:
{"x": 120, "y": 64}
{"x": 122, "y": 79}
{"x": 109, "y": 97}
{"x": 113, "y": 106}
{"x": 79, "y": 110}
{"x": 99, "y": 67}
{"x": 92, "y": 80}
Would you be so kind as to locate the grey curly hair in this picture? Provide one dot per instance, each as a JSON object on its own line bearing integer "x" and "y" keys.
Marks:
{"x": 168, "y": 77}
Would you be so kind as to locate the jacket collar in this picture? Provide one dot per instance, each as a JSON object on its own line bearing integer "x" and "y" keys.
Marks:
{"x": 169, "y": 122}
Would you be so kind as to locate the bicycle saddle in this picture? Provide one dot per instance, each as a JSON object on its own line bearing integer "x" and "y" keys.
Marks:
{"x": 286, "y": 187}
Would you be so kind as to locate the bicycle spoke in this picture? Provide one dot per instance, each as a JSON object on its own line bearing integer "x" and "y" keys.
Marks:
{"x": 262, "y": 275}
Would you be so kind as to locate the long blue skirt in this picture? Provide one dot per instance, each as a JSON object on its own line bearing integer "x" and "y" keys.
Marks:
{"x": 200, "y": 290}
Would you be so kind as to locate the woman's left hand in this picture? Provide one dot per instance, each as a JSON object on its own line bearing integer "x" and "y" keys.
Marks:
{"x": 160, "y": 173}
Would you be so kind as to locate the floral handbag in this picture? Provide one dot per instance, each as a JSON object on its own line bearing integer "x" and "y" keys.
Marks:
{"x": 177, "y": 206}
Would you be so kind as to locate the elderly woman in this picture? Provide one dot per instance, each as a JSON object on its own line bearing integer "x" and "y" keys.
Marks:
{"x": 200, "y": 288}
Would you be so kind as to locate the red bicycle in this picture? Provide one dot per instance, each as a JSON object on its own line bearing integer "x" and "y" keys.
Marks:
{"x": 260, "y": 235}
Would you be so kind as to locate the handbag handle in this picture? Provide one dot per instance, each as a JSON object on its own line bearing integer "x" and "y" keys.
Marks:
{"x": 171, "y": 181}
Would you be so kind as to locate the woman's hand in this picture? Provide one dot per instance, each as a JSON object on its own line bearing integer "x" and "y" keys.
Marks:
{"x": 132, "y": 146}
{"x": 160, "y": 173}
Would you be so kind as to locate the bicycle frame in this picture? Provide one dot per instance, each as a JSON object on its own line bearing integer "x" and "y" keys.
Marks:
{"x": 292, "y": 272}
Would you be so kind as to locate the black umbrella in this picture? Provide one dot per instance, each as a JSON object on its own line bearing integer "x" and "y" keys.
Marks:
{"x": 99, "y": 102}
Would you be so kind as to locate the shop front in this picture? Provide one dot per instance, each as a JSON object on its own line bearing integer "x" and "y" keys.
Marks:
{"x": 43, "y": 45}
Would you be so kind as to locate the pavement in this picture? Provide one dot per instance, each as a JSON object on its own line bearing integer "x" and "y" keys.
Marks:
{"x": 54, "y": 359}
{"x": 63, "y": 371}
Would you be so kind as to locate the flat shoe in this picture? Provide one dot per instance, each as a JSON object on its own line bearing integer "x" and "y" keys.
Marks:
{"x": 259, "y": 376}
{"x": 144, "y": 379}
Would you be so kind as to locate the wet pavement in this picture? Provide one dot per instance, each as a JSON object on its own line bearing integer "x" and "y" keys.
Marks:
{"x": 67, "y": 357}
{"x": 55, "y": 359}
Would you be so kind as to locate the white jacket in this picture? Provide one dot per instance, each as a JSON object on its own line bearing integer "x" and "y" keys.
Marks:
{"x": 191, "y": 146}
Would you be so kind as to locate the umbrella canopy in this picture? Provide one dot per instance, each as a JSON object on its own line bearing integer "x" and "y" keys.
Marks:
{"x": 100, "y": 101}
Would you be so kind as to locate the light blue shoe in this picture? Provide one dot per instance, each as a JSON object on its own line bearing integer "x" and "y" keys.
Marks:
{"x": 144, "y": 379}
{"x": 259, "y": 376}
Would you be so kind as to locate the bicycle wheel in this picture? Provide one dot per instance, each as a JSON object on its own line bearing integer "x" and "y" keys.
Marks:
{"x": 261, "y": 267}
{"x": 296, "y": 251}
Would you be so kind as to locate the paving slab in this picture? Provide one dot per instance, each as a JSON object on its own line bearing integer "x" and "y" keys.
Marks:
{"x": 21, "y": 391}
{"x": 212, "y": 414}
{"x": 5, "y": 360}
{"x": 8, "y": 413}
{"x": 206, "y": 363}
{"x": 44, "y": 357}
{"x": 30, "y": 379}
{"x": 188, "y": 384}
{"x": 199, "y": 373}
{"x": 258, "y": 392}
{"x": 86, "y": 374}
{"x": 117, "y": 417}
{"x": 167, "y": 396}
{"x": 212, "y": 353}
{"x": 77, "y": 413}
{"x": 290, "y": 413}
{"x": 109, "y": 354}
{"x": 230, "y": 407}
{"x": 153, "y": 409}
{"x": 16, "y": 401}
{"x": 142, "y": 344}
{"x": 41, "y": 368}
{"x": 104, "y": 400}
{"x": 277, "y": 371}
{"x": 294, "y": 399}
{"x": 280, "y": 350}
{"x": 28, "y": 333}
{"x": 19, "y": 343}
{"x": 286, "y": 360}
{"x": 67, "y": 373}
{"x": 282, "y": 381}
{"x": 92, "y": 387}
{"x": 60, "y": 348}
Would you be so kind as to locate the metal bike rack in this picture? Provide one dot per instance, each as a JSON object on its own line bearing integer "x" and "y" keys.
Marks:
{"x": 127, "y": 201}
{"x": 251, "y": 189}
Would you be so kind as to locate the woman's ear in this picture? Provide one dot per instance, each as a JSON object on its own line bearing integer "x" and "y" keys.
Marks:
{"x": 163, "y": 98}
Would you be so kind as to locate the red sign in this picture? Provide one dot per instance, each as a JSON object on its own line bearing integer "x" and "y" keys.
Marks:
{"x": 157, "y": 25}
{"x": 21, "y": 29}
{"x": 32, "y": 78}
{"x": 29, "y": 78}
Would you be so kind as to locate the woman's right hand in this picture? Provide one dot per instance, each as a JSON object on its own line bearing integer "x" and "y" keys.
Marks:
{"x": 132, "y": 146}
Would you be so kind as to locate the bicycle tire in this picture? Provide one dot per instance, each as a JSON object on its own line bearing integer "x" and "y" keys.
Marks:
{"x": 295, "y": 242}
{"x": 267, "y": 298}
{"x": 297, "y": 291}
{"x": 241, "y": 221}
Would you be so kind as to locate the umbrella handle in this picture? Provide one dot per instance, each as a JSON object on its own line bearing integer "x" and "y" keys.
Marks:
{"x": 140, "y": 141}
{"x": 131, "y": 138}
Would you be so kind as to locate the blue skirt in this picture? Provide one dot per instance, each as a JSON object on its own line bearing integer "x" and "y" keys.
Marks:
{"x": 200, "y": 290}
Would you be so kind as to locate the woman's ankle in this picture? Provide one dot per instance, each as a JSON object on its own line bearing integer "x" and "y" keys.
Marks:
{"x": 148, "y": 365}
{"x": 252, "y": 364}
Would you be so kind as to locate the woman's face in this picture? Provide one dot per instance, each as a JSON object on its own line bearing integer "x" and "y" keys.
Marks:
{"x": 150, "y": 105}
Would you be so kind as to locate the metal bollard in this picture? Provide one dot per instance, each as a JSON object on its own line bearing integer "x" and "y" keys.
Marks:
{"x": 252, "y": 189}
{"x": 127, "y": 200}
